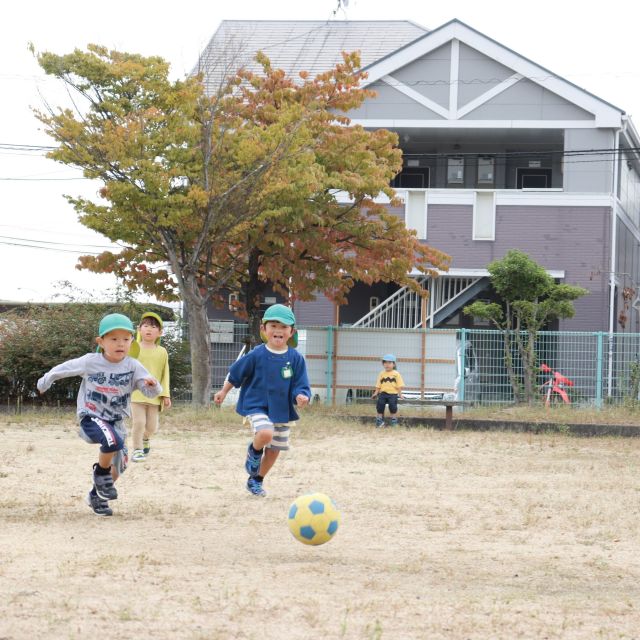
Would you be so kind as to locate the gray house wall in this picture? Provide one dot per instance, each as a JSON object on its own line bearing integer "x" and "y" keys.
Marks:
{"x": 588, "y": 173}
{"x": 318, "y": 312}
{"x": 541, "y": 232}
{"x": 391, "y": 103}
{"x": 527, "y": 100}
{"x": 628, "y": 274}
{"x": 429, "y": 75}
{"x": 473, "y": 66}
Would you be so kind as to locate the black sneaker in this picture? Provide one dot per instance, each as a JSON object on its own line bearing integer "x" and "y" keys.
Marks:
{"x": 104, "y": 485}
{"x": 100, "y": 507}
{"x": 146, "y": 446}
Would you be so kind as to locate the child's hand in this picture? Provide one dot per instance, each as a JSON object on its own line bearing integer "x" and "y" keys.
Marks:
{"x": 374, "y": 394}
{"x": 219, "y": 397}
{"x": 166, "y": 402}
{"x": 302, "y": 400}
{"x": 150, "y": 382}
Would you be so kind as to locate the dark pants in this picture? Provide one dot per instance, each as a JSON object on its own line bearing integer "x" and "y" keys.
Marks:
{"x": 387, "y": 398}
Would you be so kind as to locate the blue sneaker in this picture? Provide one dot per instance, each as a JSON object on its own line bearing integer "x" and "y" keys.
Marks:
{"x": 255, "y": 487}
{"x": 379, "y": 422}
{"x": 252, "y": 463}
{"x": 394, "y": 422}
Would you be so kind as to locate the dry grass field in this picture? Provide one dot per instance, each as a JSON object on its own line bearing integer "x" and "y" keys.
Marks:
{"x": 455, "y": 535}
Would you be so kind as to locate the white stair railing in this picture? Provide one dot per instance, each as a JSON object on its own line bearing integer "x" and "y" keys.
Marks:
{"x": 402, "y": 309}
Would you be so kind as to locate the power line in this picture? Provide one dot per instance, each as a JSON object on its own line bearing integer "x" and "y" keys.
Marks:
{"x": 42, "y": 179}
{"x": 63, "y": 244}
{"x": 29, "y": 246}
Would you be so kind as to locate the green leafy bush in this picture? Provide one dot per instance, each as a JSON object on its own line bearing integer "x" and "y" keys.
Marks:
{"x": 34, "y": 339}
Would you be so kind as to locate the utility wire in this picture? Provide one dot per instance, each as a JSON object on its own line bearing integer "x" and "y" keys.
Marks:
{"x": 29, "y": 246}
{"x": 63, "y": 244}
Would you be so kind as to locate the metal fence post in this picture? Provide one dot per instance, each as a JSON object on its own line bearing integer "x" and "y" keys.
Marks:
{"x": 329, "y": 372}
{"x": 463, "y": 348}
{"x": 599, "y": 363}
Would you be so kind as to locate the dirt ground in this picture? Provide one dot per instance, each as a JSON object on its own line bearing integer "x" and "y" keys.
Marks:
{"x": 454, "y": 535}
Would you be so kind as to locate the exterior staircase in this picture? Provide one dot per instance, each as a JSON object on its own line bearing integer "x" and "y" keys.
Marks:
{"x": 403, "y": 309}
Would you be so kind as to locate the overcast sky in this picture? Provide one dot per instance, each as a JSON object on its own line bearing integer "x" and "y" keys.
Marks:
{"x": 596, "y": 50}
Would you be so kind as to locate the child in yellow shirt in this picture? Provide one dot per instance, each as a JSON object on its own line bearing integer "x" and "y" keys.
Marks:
{"x": 145, "y": 411}
{"x": 388, "y": 389}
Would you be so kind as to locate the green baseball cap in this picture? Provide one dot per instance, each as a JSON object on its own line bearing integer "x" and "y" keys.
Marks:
{"x": 114, "y": 321}
{"x": 280, "y": 313}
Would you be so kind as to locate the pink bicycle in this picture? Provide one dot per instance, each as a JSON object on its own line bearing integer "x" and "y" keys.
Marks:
{"x": 555, "y": 386}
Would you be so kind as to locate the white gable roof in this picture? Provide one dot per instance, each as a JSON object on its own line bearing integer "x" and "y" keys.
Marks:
{"x": 455, "y": 32}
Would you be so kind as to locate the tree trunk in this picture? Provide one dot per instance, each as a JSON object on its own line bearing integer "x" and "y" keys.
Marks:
{"x": 254, "y": 289}
{"x": 529, "y": 368}
{"x": 508, "y": 361}
{"x": 196, "y": 311}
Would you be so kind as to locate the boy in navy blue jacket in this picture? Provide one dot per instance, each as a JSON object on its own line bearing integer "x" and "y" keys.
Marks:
{"x": 272, "y": 380}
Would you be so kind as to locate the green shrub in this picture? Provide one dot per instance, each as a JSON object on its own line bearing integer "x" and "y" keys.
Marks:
{"x": 34, "y": 339}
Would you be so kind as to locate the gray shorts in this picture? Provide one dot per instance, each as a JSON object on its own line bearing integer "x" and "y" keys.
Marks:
{"x": 280, "y": 441}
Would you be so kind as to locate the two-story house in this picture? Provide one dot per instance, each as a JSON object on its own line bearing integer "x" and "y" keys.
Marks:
{"x": 499, "y": 153}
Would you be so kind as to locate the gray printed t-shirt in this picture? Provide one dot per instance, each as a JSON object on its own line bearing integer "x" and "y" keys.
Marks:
{"x": 106, "y": 386}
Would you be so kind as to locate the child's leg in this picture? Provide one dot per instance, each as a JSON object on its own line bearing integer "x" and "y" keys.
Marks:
{"x": 279, "y": 442}
{"x": 393, "y": 404}
{"x": 380, "y": 405}
{"x": 268, "y": 459}
{"x": 111, "y": 437}
{"x": 151, "y": 424}
{"x": 105, "y": 458}
{"x": 262, "y": 436}
{"x": 138, "y": 422}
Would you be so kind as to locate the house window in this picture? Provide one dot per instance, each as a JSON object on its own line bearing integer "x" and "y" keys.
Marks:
{"x": 233, "y": 301}
{"x": 374, "y": 301}
{"x": 486, "y": 170}
{"x": 455, "y": 171}
{"x": 484, "y": 215}
{"x": 533, "y": 178}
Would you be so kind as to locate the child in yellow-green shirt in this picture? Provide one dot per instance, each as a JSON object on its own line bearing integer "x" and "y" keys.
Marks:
{"x": 145, "y": 411}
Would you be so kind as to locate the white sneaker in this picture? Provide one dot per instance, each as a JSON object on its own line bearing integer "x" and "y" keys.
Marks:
{"x": 138, "y": 455}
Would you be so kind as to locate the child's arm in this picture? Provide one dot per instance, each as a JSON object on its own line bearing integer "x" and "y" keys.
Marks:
{"x": 376, "y": 390}
{"x": 301, "y": 387}
{"x": 399, "y": 385}
{"x": 68, "y": 369}
{"x": 149, "y": 387}
{"x": 222, "y": 394}
{"x": 144, "y": 382}
{"x": 166, "y": 385}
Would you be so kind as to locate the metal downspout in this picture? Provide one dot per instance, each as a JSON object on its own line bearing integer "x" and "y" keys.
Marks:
{"x": 612, "y": 269}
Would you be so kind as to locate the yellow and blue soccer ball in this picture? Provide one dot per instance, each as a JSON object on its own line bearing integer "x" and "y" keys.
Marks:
{"x": 313, "y": 518}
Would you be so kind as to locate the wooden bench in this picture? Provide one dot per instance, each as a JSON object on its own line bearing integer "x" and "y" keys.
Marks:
{"x": 419, "y": 402}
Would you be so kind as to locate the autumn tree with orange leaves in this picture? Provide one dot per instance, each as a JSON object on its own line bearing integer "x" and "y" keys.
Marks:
{"x": 264, "y": 182}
